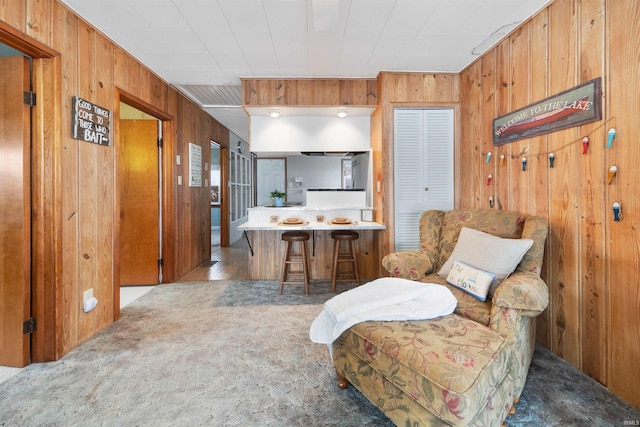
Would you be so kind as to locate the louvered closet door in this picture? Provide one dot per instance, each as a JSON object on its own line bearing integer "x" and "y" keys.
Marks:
{"x": 423, "y": 165}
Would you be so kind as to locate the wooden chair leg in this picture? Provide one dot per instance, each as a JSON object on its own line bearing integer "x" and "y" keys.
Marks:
{"x": 305, "y": 271}
{"x": 283, "y": 270}
{"x": 355, "y": 262}
{"x": 334, "y": 270}
{"x": 342, "y": 381}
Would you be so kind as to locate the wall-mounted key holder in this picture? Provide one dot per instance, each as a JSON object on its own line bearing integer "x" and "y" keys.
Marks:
{"x": 610, "y": 136}
{"x": 617, "y": 211}
{"x": 613, "y": 170}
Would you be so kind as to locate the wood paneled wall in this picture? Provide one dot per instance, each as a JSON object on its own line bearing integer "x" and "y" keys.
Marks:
{"x": 74, "y": 183}
{"x": 592, "y": 265}
{"x": 309, "y": 92}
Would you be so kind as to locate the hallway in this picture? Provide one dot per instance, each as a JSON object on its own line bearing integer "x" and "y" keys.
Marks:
{"x": 232, "y": 264}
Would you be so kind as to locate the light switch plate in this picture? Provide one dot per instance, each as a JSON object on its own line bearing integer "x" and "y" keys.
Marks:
{"x": 87, "y": 294}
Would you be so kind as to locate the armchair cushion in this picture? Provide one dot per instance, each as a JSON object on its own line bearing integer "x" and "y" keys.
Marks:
{"x": 487, "y": 252}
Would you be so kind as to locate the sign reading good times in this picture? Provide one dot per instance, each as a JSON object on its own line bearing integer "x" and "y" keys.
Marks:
{"x": 90, "y": 122}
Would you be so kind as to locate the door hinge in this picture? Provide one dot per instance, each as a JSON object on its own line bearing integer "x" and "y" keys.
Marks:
{"x": 160, "y": 143}
{"x": 160, "y": 262}
{"x": 29, "y": 98}
{"x": 29, "y": 326}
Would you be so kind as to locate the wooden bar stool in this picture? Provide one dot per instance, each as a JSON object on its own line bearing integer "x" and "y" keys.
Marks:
{"x": 291, "y": 258}
{"x": 350, "y": 256}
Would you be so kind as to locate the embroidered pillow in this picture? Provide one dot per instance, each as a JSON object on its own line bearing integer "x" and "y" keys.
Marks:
{"x": 487, "y": 252}
{"x": 470, "y": 279}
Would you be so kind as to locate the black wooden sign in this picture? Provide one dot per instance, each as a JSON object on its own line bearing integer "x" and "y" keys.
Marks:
{"x": 90, "y": 122}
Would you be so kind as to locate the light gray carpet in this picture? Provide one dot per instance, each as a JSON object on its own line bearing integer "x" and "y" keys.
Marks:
{"x": 237, "y": 354}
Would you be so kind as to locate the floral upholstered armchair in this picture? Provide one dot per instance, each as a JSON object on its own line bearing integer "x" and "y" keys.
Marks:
{"x": 469, "y": 367}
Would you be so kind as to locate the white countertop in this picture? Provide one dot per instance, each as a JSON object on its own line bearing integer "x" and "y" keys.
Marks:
{"x": 310, "y": 225}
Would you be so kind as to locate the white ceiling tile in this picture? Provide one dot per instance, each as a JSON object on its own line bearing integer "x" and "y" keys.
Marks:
{"x": 286, "y": 16}
{"x": 160, "y": 14}
{"x": 290, "y": 44}
{"x": 244, "y": 15}
{"x": 367, "y": 16}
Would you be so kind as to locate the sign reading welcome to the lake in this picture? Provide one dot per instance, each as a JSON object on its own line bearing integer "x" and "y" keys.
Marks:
{"x": 572, "y": 107}
{"x": 90, "y": 122}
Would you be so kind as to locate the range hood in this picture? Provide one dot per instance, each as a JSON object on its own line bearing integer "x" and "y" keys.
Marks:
{"x": 332, "y": 153}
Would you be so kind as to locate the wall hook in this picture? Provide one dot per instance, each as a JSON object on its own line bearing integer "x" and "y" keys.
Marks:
{"x": 617, "y": 211}
{"x": 490, "y": 201}
{"x": 552, "y": 158}
{"x": 524, "y": 163}
{"x": 489, "y": 179}
{"x": 585, "y": 145}
{"x": 613, "y": 170}
{"x": 611, "y": 134}
{"x": 501, "y": 159}
{"x": 488, "y": 157}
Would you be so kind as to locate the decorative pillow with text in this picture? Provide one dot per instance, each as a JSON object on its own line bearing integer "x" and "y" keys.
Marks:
{"x": 473, "y": 281}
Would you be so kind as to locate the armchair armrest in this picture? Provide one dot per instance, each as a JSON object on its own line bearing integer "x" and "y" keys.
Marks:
{"x": 523, "y": 291}
{"x": 412, "y": 265}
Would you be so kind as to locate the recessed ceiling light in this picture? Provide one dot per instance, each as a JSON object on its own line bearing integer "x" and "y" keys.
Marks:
{"x": 342, "y": 113}
{"x": 274, "y": 113}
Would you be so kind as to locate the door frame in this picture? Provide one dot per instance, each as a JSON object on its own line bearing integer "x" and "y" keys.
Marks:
{"x": 46, "y": 238}
{"x": 167, "y": 191}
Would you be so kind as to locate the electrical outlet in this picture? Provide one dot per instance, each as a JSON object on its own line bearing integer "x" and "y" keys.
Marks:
{"x": 87, "y": 294}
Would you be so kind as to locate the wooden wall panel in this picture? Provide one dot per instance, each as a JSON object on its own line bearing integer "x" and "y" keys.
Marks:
{"x": 539, "y": 184}
{"x": 39, "y": 20}
{"x": 88, "y": 211}
{"x": 14, "y": 13}
{"x": 309, "y": 92}
{"x": 623, "y": 238}
{"x": 591, "y": 200}
{"x": 503, "y": 152}
{"x": 591, "y": 265}
{"x": 64, "y": 41}
{"x": 564, "y": 281}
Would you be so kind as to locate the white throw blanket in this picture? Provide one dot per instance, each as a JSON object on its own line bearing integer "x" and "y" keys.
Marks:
{"x": 387, "y": 298}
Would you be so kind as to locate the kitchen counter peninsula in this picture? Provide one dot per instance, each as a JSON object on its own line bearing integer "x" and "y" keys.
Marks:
{"x": 265, "y": 225}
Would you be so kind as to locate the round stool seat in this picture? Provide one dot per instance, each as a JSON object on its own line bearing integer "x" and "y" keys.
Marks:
{"x": 344, "y": 235}
{"x": 295, "y": 236}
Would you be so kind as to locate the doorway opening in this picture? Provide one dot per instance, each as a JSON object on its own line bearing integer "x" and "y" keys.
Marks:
{"x": 216, "y": 217}
{"x": 140, "y": 193}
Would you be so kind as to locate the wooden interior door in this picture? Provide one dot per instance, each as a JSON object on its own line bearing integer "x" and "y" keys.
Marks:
{"x": 271, "y": 175}
{"x": 139, "y": 200}
{"x": 15, "y": 209}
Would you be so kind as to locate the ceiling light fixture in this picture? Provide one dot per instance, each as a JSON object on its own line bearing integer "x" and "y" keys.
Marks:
{"x": 274, "y": 113}
{"x": 342, "y": 113}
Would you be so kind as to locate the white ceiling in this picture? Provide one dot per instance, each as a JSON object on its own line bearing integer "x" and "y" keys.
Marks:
{"x": 204, "y": 47}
